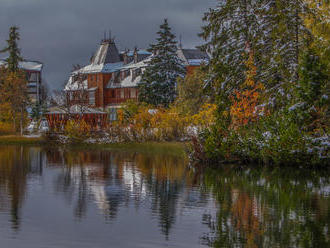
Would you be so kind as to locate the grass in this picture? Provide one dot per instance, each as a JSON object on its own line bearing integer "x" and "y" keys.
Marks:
{"x": 166, "y": 148}
{"x": 20, "y": 140}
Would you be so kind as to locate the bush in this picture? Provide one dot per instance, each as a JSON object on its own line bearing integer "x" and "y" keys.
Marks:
{"x": 77, "y": 130}
{"x": 6, "y": 128}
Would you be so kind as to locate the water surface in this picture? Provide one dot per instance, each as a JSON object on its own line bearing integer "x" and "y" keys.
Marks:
{"x": 54, "y": 197}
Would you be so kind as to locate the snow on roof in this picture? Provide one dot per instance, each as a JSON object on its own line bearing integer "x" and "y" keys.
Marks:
{"x": 141, "y": 64}
{"x": 26, "y": 65}
{"x": 75, "y": 85}
{"x": 104, "y": 68}
{"x": 197, "y": 62}
{"x": 194, "y": 57}
{"x": 127, "y": 82}
{"x": 140, "y": 52}
{"x": 194, "y": 54}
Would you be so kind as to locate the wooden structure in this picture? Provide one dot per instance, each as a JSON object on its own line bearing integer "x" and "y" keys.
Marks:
{"x": 57, "y": 117}
{"x": 110, "y": 79}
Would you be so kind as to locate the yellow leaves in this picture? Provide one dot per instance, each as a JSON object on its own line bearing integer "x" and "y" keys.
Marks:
{"x": 77, "y": 128}
{"x": 206, "y": 116}
{"x": 6, "y": 128}
{"x": 166, "y": 124}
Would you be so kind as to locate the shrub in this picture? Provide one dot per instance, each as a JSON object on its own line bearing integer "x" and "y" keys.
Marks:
{"x": 6, "y": 128}
{"x": 77, "y": 130}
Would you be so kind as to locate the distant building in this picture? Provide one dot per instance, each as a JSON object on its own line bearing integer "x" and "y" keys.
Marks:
{"x": 33, "y": 71}
{"x": 192, "y": 58}
{"x": 112, "y": 77}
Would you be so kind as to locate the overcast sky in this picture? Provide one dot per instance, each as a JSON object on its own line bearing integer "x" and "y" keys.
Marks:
{"x": 61, "y": 33}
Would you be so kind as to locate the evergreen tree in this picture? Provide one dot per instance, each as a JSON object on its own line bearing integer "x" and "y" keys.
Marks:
{"x": 159, "y": 80}
{"x": 13, "y": 50}
{"x": 314, "y": 82}
{"x": 273, "y": 29}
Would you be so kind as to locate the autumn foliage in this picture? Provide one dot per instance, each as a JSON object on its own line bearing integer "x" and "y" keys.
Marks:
{"x": 245, "y": 100}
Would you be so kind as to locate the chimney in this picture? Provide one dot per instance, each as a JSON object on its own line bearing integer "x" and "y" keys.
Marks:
{"x": 125, "y": 56}
{"x": 136, "y": 55}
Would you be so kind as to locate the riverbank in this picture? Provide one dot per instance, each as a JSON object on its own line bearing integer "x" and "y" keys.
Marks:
{"x": 169, "y": 148}
{"x": 21, "y": 140}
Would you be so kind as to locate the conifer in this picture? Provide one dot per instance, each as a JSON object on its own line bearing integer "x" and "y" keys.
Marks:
{"x": 159, "y": 80}
{"x": 13, "y": 50}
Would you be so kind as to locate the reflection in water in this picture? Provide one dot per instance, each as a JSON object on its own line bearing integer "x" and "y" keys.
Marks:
{"x": 228, "y": 207}
{"x": 262, "y": 207}
{"x": 117, "y": 178}
{"x": 16, "y": 164}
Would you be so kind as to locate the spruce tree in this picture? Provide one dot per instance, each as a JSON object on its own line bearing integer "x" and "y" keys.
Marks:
{"x": 159, "y": 80}
{"x": 13, "y": 50}
{"x": 273, "y": 29}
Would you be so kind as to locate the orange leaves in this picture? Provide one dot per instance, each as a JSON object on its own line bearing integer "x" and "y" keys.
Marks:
{"x": 245, "y": 100}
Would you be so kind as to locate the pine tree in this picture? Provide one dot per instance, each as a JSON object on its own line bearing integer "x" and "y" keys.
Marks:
{"x": 159, "y": 80}
{"x": 312, "y": 77}
{"x": 13, "y": 50}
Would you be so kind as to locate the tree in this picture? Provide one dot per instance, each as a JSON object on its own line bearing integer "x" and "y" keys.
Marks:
{"x": 245, "y": 100}
{"x": 13, "y": 50}
{"x": 273, "y": 29}
{"x": 14, "y": 81}
{"x": 159, "y": 80}
{"x": 14, "y": 92}
{"x": 191, "y": 93}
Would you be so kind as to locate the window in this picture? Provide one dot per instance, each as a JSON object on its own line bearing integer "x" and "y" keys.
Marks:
{"x": 122, "y": 93}
{"x": 91, "y": 96}
{"x": 133, "y": 93}
{"x": 33, "y": 77}
{"x": 113, "y": 114}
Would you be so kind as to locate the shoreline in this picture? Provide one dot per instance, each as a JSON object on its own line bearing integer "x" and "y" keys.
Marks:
{"x": 167, "y": 147}
{"x": 21, "y": 140}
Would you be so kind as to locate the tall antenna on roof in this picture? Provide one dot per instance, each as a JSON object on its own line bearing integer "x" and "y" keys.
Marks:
{"x": 180, "y": 41}
{"x": 110, "y": 34}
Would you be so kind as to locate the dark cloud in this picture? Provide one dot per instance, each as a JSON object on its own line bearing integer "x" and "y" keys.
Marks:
{"x": 61, "y": 33}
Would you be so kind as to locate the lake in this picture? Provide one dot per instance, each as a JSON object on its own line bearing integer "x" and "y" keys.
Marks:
{"x": 95, "y": 198}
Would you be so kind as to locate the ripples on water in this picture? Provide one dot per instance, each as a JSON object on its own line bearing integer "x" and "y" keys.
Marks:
{"x": 51, "y": 197}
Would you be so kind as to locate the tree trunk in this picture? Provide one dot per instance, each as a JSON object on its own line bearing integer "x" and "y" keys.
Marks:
{"x": 14, "y": 122}
{"x": 21, "y": 122}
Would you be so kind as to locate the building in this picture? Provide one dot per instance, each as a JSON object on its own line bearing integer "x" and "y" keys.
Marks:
{"x": 112, "y": 77}
{"x": 33, "y": 71}
{"x": 192, "y": 58}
